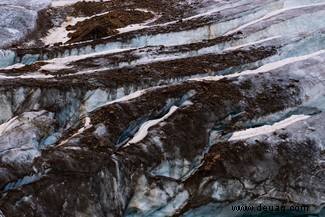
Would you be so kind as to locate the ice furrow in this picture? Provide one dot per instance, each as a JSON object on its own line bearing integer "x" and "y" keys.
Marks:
{"x": 143, "y": 130}
{"x": 4, "y": 126}
{"x": 266, "y": 129}
{"x": 24, "y": 181}
{"x": 272, "y": 14}
{"x": 267, "y": 67}
{"x": 139, "y": 129}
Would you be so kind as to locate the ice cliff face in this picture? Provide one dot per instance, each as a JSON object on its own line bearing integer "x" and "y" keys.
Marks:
{"x": 170, "y": 108}
{"x": 17, "y": 18}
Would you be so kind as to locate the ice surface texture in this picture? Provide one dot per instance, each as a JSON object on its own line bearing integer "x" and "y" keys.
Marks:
{"x": 184, "y": 115}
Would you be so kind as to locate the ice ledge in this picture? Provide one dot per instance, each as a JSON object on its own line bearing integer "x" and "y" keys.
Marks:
{"x": 266, "y": 129}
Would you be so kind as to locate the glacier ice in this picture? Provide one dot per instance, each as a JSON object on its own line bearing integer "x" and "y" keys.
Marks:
{"x": 20, "y": 140}
{"x": 7, "y": 58}
{"x": 79, "y": 136}
{"x": 17, "y": 18}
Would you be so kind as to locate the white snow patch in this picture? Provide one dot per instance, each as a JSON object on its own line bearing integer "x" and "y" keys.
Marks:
{"x": 62, "y": 62}
{"x": 266, "y": 129}
{"x": 60, "y": 34}
{"x": 86, "y": 126}
{"x": 4, "y": 126}
{"x": 13, "y": 31}
{"x": 73, "y": 148}
{"x": 265, "y": 68}
{"x": 133, "y": 95}
{"x": 15, "y": 66}
{"x": 143, "y": 131}
{"x": 59, "y": 3}
{"x": 269, "y": 15}
{"x": 87, "y": 122}
{"x": 54, "y": 67}
{"x": 253, "y": 43}
{"x": 33, "y": 75}
{"x": 187, "y": 103}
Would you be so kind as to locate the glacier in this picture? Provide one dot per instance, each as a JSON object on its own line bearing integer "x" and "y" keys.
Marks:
{"x": 205, "y": 106}
{"x": 18, "y": 18}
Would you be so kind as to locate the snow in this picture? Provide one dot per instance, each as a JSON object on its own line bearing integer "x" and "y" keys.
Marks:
{"x": 259, "y": 23}
{"x": 99, "y": 98}
{"x": 87, "y": 122}
{"x": 262, "y": 32}
{"x": 73, "y": 148}
{"x": 143, "y": 131}
{"x": 253, "y": 43}
{"x": 277, "y": 24}
{"x": 62, "y": 62}
{"x": 54, "y": 67}
{"x": 266, "y": 129}
{"x": 139, "y": 26}
{"x": 86, "y": 126}
{"x": 60, "y": 34}
{"x": 230, "y": 46}
{"x": 6, "y": 126}
{"x": 27, "y": 76}
{"x": 271, "y": 14}
{"x": 128, "y": 97}
{"x": 15, "y": 66}
{"x": 59, "y": 3}
{"x": 265, "y": 68}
